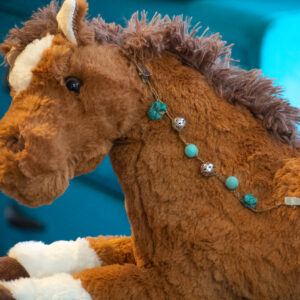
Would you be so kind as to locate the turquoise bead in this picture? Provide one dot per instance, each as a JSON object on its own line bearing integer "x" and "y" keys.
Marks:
{"x": 232, "y": 182}
{"x": 157, "y": 110}
{"x": 191, "y": 150}
{"x": 249, "y": 201}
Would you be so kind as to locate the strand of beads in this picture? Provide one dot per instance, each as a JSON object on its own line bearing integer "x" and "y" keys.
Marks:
{"x": 157, "y": 110}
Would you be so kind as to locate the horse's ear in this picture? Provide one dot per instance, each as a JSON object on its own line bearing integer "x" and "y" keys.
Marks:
{"x": 70, "y": 19}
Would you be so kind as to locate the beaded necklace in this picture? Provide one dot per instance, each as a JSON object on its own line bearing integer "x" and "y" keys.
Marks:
{"x": 157, "y": 111}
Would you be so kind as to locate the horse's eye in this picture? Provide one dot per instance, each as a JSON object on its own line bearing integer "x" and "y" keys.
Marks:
{"x": 73, "y": 84}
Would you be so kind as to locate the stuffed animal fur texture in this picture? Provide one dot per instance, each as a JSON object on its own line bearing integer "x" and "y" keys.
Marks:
{"x": 77, "y": 96}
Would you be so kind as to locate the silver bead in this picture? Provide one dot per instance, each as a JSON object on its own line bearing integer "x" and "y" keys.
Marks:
{"x": 178, "y": 123}
{"x": 207, "y": 169}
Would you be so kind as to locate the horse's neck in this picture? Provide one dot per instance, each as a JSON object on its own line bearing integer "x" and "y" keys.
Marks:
{"x": 165, "y": 192}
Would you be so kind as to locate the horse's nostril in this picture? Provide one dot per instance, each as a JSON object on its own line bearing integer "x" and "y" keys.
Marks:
{"x": 16, "y": 143}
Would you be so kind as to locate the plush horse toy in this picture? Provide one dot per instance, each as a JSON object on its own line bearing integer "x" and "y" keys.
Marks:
{"x": 207, "y": 155}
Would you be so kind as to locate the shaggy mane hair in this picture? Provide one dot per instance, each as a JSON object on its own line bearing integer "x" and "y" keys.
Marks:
{"x": 209, "y": 55}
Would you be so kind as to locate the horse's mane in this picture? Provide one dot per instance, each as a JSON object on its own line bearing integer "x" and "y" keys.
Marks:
{"x": 207, "y": 54}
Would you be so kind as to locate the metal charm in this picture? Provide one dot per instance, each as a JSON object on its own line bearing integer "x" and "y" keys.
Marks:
{"x": 207, "y": 169}
{"x": 178, "y": 123}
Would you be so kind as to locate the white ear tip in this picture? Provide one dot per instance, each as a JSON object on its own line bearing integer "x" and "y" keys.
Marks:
{"x": 65, "y": 18}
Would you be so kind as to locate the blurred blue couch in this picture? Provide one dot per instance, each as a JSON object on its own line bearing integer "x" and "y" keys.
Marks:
{"x": 265, "y": 34}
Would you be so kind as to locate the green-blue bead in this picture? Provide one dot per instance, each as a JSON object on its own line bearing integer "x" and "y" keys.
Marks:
{"x": 191, "y": 150}
{"x": 232, "y": 182}
{"x": 249, "y": 201}
{"x": 157, "y": 110}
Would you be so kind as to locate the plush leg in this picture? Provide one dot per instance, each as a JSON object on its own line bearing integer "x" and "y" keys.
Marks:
{"x": 113, "y": 250}
{"x": 110, "y": 282}
{"x": 59, "y": 286}
{"x": 117, "y": 282}
{"x": 39, "y": 260}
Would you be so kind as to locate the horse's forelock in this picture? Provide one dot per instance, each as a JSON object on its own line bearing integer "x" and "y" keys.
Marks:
{"x": 41, "y": 23}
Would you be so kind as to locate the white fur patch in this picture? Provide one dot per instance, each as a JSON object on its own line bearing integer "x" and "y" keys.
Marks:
{"x": 57, "y": 287}
{"x": 65, "y": 18}
{"x": 20, "y": 76}
{"x": 42, "y": 260}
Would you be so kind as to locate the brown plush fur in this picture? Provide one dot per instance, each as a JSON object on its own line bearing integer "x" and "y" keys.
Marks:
{"x": 11, "y": 269}
{"x": 191, "y": 239}
{"x": 5, "y": 294}
{"x": 113, "y": 250}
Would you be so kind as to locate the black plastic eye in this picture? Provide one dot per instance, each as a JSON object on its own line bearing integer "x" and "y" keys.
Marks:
{"x": 73, "y": 84}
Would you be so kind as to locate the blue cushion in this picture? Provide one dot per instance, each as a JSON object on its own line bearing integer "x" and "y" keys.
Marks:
{"x": 280, "y": 54}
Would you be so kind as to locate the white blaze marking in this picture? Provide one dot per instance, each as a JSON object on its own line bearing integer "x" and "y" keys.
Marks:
{"x": 59, "y": 286}
{"x": 42, "y": 260}
{"x": 20, "y": 76}
{"x": 65, "y": 20}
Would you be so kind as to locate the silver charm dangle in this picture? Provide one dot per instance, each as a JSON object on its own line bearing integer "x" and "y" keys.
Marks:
{"x": 207, "y": 169}
{"x": 178, "y": 123}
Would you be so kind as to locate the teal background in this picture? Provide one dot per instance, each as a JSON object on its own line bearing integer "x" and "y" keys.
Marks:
{"x": 265, "y": 34}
